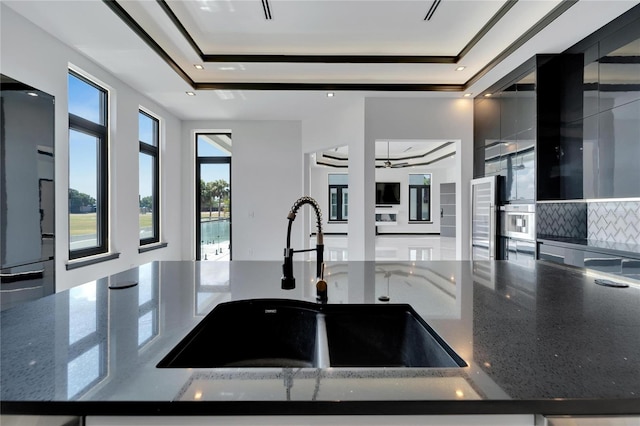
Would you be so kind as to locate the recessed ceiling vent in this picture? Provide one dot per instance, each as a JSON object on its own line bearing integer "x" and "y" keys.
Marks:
{"x": 432, "y": 10}
{"x": 267, "y": 9}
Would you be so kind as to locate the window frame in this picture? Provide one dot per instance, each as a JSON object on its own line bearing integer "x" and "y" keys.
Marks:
{"x": 154, "y": 152}
{"x": 199, "y": 162}
{"x": 340, "y": 188}
{"x": 419, "y": 189}
{"x": 101, "y": 133}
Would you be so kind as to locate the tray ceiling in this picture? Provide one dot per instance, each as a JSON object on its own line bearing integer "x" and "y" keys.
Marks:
{"x": 256, "y": 67}
{"x": 354, "y": 44}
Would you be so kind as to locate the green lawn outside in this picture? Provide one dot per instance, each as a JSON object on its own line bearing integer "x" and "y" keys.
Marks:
{"x": 85, "y": 223}
{"x": 82, "y": 223}
{"x": 214, "y": 215}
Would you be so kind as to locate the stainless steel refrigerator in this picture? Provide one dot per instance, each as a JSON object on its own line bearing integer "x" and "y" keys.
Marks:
{"x": 27, "y": 193}
{"x": 484, "y": 226}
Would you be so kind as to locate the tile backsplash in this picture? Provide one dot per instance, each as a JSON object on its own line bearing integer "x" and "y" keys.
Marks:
{"x": 617, "y": 221}
{"x": 562, "y": 220}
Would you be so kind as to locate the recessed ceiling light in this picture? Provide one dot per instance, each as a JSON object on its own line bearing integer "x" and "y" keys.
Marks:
{"x": 487, "y": 95}
{"x": 229, "y": 68}
{"x": 460, "y": 68}
{"x": 330, "y": 94}
{"x": 32, "y": 94}
{"x": 198, "y": 66}
{"x": 466, "y": 95}
{"x": 190, "y": 93}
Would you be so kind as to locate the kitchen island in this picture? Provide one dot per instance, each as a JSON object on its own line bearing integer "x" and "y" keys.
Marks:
{"x": 543, "y": 339}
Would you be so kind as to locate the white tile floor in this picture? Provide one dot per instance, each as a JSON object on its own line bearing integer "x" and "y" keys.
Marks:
{"x": 395, "y": 247}
{"x": 388, "y": 247}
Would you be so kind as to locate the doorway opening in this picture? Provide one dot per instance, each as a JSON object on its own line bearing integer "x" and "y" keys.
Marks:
{"x": 213, "y": 196}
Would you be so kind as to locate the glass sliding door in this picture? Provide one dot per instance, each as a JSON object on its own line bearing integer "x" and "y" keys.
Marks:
{"x": 213, "y": 197}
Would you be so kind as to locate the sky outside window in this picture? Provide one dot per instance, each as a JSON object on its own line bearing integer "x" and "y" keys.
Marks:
{"x": 85, "y": 100}
{"x": 211, "y": 174}
{"x": 83, "y": 154}
{"x": 147, "y": 133}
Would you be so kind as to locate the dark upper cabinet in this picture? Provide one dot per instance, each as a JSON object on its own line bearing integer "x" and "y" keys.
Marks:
{"x": 509, "y": 113}
{"x": 567, "y": 126}
{"x": 618, "y": 69}
{"x": 486, "y": 136}
{"x": 526, "y": 116}
{"x": 525, "y": 171}
{"x": 591, "y": 74}
{"x": 618, "y": 158}
{"x": 486, "y": 121}
{"x": 508, "y": 164}
{"x": 504, "y": 137}
{"x": 611, "y": 127}
{"x": 590, "y": 156}
{"x": 492, "y": 159}
{"x": 478, "y": 163}
{"x": 559, "y": 89}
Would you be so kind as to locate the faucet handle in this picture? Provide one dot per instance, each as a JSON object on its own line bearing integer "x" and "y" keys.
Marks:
{"x": 321, "y": 291}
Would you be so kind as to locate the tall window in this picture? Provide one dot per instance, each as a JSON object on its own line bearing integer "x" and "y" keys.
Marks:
{"x": 213, "y": 196}
{"x": 88, "y": 168}
{"x": 338, "y": 197}
{"x": 420, "y": 198}
{"x": 149, "y": 177}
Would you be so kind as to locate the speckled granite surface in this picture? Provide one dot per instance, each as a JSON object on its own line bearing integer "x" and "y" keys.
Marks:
{"x": 539, "y": 339}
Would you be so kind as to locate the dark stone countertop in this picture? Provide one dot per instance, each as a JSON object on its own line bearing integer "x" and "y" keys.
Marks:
{"x": 538, "y": 339}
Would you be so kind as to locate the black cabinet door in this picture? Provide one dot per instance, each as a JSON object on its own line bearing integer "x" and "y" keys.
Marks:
{"x": 619, "y": 152}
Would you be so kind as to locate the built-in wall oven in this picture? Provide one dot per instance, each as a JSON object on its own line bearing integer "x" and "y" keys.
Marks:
{"x": 517, "y": 241}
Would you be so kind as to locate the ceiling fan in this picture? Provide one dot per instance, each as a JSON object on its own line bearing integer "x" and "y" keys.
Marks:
{"x": 389, "y": 165}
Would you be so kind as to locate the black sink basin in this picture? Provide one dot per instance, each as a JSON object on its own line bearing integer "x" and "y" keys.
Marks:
{"x": 290, "y": 333}
{"x": 385, "y": 336}
{"x": 250, "y": 333}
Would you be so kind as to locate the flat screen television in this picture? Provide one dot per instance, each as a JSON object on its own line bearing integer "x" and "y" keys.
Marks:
{"x": 387, "y": 192}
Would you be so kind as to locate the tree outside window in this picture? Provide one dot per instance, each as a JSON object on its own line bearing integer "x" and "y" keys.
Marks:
{"x": 420, "y": 197}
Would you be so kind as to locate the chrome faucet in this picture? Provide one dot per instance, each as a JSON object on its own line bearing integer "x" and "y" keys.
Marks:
{"x": 288, "y": 280}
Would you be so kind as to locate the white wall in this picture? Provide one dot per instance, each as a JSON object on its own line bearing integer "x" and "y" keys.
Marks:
{"x": 402, "y": 176}
{"x": 337, "y": 127}
{"x": 33, "y": 57}
{"x": 426, "y": 118}
{"x": 359, "y": 126}
{"x": 319, "y": 190}
{"x": 266, "y": 179}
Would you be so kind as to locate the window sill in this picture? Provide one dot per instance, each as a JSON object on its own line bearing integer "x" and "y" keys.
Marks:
{"x": 421, "y": 222}
{"x": 150, "y": 247}
{"x": 79, "y": 263}
{"x": 338, "y": 221}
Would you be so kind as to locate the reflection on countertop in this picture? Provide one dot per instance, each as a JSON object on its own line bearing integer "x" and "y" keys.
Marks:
{"x": 535, "y": 337}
